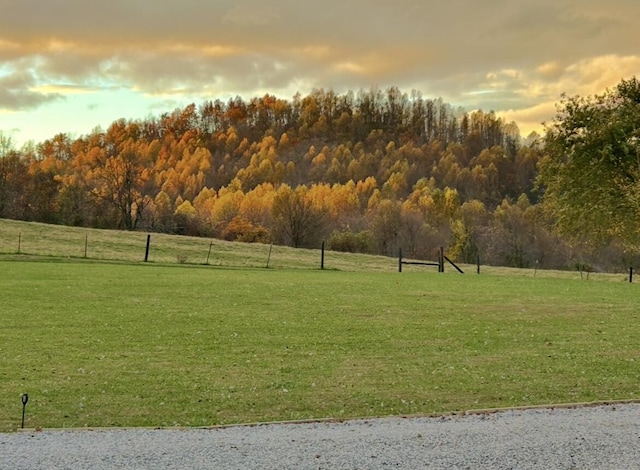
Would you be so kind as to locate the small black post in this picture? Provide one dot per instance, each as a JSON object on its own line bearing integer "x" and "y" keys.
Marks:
{"x": 478, "y": 263}
{"x": 86, "y": 245}
{"x": 269, "y": 256}
{"x": 146, "y": 252}
{"x": 400, "y": 259}
{"x": 441, "y": 260}
{"x": 322, "y": 256}
{"x": 209, "y": 254}
{"x": 631, "y": 274}
{"x": 25, "y": 399}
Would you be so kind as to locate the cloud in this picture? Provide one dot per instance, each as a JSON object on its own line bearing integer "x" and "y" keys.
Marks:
{"x": 62, "y": 89}
{"x": 17, "y": 92}
{"x": 515, "y": 57}
{"x": 530, "y": 119}
{"x": 541, "y": 89}
{"x": 251, "y": 14}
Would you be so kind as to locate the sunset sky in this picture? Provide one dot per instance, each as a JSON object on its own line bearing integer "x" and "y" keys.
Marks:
{"x": 73, "y": 65}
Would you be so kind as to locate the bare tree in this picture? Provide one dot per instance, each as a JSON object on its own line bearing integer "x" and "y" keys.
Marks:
{"x": 295, "y": 218}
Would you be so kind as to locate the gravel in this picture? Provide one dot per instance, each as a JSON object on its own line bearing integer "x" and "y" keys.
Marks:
{"x": 602, "y": 437}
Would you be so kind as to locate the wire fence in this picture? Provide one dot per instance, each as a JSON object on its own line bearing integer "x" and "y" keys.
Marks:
{"x": 40, "y": 240}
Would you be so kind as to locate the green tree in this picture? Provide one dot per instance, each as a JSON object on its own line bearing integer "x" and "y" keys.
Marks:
{"x": 591, "y": 172}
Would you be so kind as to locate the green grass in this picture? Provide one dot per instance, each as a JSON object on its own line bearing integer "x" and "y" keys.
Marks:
{"x": 112, "y": 344}
{"x": 42, "y": 240}
{"x": 20, "y": 240}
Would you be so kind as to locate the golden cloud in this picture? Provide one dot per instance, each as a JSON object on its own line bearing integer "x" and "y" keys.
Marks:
{"x": 62, "y": 89}
{"x": 550, "y": 69}
{"x": 530, "y": 119}
{"x": 350, "y": 67}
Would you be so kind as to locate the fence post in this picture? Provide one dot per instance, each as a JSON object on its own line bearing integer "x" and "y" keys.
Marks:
{"x": 631, "y": 274}
{"x": 146, "y": 252}
{"x": 322, "y": 256}
{"x": 400, "y": 259}
{"x": 478, "y": 263}
{"x": 441, "y": 260}
{"x": 209, "y": 253}
{"x": 269, "y": 255}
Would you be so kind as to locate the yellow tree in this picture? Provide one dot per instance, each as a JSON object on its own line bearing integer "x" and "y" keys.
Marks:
{"x": 186, "y": 219}
{"x": 365, "y": 189}
{"x": 204, "y": 204}
{"x": 160, "y": 213}
{"x": 257, "y": 204}
{"x": 124, "y": 182}
{"x": 226, "y": 206}
{"x": 345, "y": 203}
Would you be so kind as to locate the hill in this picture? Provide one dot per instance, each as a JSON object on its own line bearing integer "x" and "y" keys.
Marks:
{"x": 367, "y": 172}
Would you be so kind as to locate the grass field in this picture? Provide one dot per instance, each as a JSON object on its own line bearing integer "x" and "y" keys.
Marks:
{"x": 20, "y": 240}
{"x": 42, "y": 240}
{"x": 135, "y": 344}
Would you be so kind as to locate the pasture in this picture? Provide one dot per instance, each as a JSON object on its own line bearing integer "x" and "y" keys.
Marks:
{"x": 148, "y": 344}
{"x": 75, "y": 243}
{"x": 20, "y": 240}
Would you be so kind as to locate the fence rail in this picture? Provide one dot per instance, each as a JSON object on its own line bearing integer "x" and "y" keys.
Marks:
{"x": 440, "y": 264}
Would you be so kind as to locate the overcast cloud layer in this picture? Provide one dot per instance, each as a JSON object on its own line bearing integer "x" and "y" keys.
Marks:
{"x": 514, "y": 57}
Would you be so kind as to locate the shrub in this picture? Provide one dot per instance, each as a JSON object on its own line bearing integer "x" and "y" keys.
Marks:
{"x": 241, "y": 230}
{"x": 352, "y": 242}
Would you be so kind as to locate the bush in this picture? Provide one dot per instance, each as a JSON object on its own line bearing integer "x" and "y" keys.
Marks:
{"x": 241, "y": 230}
{"x": 348, "y": 241}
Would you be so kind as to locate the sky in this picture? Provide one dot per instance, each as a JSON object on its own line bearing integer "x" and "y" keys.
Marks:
{"x": 71, "y": 66}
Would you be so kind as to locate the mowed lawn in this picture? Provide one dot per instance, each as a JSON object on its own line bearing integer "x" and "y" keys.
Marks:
{"x": 99, "y": 344}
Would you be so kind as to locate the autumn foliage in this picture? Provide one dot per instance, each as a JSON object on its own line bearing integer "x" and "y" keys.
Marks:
{"x": 367, "y": 172}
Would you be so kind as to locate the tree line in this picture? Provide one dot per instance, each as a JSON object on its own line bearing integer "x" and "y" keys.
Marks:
{"x": 368, "y": 172}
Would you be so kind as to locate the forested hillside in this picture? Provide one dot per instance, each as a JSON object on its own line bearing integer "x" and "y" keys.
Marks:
{"x": 370, "y": 171}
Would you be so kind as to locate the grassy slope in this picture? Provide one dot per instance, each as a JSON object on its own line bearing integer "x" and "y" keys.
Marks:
{"x": 98, "y": 344}
{"x": 42, "y": 240}
{"x": 69, "y": 242}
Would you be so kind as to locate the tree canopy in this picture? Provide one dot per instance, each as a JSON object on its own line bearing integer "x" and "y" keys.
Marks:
{"x": 591, "y": 169}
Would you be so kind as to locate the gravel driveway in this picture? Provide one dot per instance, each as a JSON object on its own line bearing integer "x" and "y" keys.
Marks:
{"x": 598, "y": 437}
